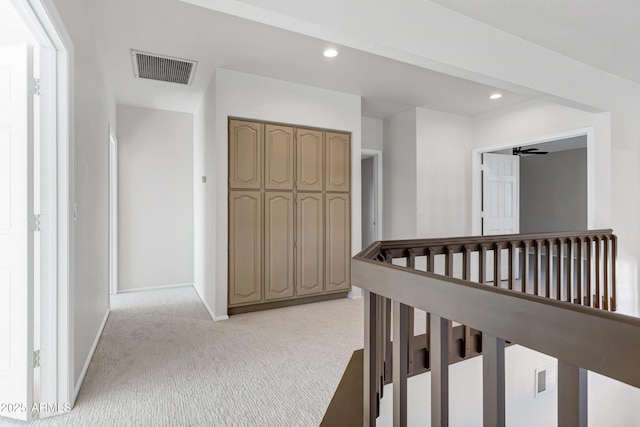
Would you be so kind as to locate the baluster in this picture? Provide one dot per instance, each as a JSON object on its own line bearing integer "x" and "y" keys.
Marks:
{"x": 587, "y": 291}
{"x": 387, "y": 342}
{"x": 482, "y": 275}
{"x": 605, "y": 260}
{"x": 439, "y": 372}
{"x": 493, "y": 383}
{"x": 431, "y": 268}
{"x": 511, "y": 269}
{"x": 570, "y": 269}
{"x": 538, "y": 271}
{"x": 547, "y": 287}
{"x": 400, "y": 365}
{"x": 411, "y": 263}
{"x": 371, "y": 396}
{"x": 380, "y": 346}
{"x": 579, "y": 271}
{"x": 596, "y": 301}
{"x": 448, "y": 269}
{"x": 560, "y": 268}
{"x": 572, "y": 395}
{"x": 525, "y": 266}
{"x": 614, "y": 254}
{"x": 466, "y": 275}
{"x": 497, "y": 264}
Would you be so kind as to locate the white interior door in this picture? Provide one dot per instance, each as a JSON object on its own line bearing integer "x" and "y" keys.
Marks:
{"x": 16, "y": 235}
{"x": 500, "y": 202}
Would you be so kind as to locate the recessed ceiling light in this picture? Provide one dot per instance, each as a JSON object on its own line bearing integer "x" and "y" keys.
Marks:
{"x": 330, "y": 53}
{"x": 496, "y": 96}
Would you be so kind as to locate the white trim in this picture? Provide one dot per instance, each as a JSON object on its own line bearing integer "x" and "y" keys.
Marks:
{"x": 113, "y": 211}
{"x": 78, "y": 385}
{"x": 211, "y": 313}
{"x": 377, "y": 171}
{"x": 476, "y": 159}
{"x": 42, "y": 18}
{"x": 154, "y": 288}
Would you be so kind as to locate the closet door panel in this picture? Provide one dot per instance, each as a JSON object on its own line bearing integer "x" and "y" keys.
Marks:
{"x": 309, "y": 160}
{"x": 338, "y": 247}
{"x": 278, "y": 245}
{"x": 310, "y": 244}
{"x": 337, "y": 161}
{"x": 278, "y": 157}
{"x": 245, "y": 247}
{"x": 245, "y": 154}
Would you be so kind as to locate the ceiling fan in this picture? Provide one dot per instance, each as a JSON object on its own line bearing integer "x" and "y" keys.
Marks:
{"x": 519, "y": 151}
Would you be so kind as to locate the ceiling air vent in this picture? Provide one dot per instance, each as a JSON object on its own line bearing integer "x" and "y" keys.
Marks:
{"x": 163, "y": 68}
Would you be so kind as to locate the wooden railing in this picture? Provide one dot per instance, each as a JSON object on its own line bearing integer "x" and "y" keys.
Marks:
{"x": 500, "y": 285}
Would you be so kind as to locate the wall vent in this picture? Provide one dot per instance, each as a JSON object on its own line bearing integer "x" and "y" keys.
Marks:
{"x": 163, "y": 68}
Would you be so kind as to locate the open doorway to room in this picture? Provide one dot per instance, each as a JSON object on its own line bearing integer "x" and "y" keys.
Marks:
{"x": 554, "y": 184}
{"x": 371, "y": 170}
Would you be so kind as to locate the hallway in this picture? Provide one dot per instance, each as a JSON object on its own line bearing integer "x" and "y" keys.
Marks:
{"x": 161, "y": 361}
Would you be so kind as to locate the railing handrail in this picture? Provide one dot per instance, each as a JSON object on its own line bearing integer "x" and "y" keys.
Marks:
{"x": 597, "y": 340}
{"x": 382, "y": 245}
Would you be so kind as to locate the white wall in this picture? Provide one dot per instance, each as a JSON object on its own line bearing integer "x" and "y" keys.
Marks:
{"x": 368, "y": 202}
{"x": 372, "y": 133}
{"x": 553, "y": 191}
{"x": 444, "y": 142}
{"x": 399, "y": 172}
{"x": 95, "y": 110}
{"x": 610, "y": 402}
{"x": 233, "y": 94}
{"x": 155, "y": 210}
{"x": 204, "y": 200}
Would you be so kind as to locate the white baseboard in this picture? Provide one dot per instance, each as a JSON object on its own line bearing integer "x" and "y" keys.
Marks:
{"x": 154, "y": 288}
{"x": 211, "y": 313}
{"x": 355, "y": 293}
{"x": 89, "y": 357}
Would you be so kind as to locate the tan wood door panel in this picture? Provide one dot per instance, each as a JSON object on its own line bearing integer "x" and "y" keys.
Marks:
{"x": 337, "y": 161}
{"x": 278, "y": 245}
{"x": 245, "y": 154}
{"x": 310, "y": 244}
{"x": 309, "y": 160}
{"x": 245, "y": 247}
{"x": 338, "y": 247}
{"x": 278, "y": 157}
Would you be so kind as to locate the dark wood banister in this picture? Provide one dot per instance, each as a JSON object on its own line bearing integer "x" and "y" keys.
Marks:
{"x": 563, "y": 329}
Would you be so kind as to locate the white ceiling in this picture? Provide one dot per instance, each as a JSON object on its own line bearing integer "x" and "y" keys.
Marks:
{"x": 216, "y": 40}
{"x": 602, "y": 33}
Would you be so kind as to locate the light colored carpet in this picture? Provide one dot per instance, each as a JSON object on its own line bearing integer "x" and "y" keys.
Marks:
{"x": 161, "y": 361}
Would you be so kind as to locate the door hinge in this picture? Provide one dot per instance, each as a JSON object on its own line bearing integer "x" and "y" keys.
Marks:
{"x": 36, "y": 222}
{"x": 36, "y": 87}
{"x": 36, "y": 359}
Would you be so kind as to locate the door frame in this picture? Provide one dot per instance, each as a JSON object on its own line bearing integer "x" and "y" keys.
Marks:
{"x": 377, "y": 182}
{"x": 476, "y": 172}
{"x": 57, "y": 163}
{"x": 113, "y": 212}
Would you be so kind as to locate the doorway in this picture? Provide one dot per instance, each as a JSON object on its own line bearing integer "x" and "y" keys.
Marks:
{"x": 565, "y": 159}
{"x": 35, "y": 323}
{"x": 371, "y": 175}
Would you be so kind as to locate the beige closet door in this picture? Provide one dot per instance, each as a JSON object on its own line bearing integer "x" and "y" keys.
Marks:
{"x": 278, "y": 157}
{"x": 310, "y": 244}
{"x": 337, "y": 161}
{"x": 278, "y": 245}
{"x": 245, "y": 154}
{"x": 338, "y": 249}
{"x": 245, "y": 247}
{"x": 309, "y": 160}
